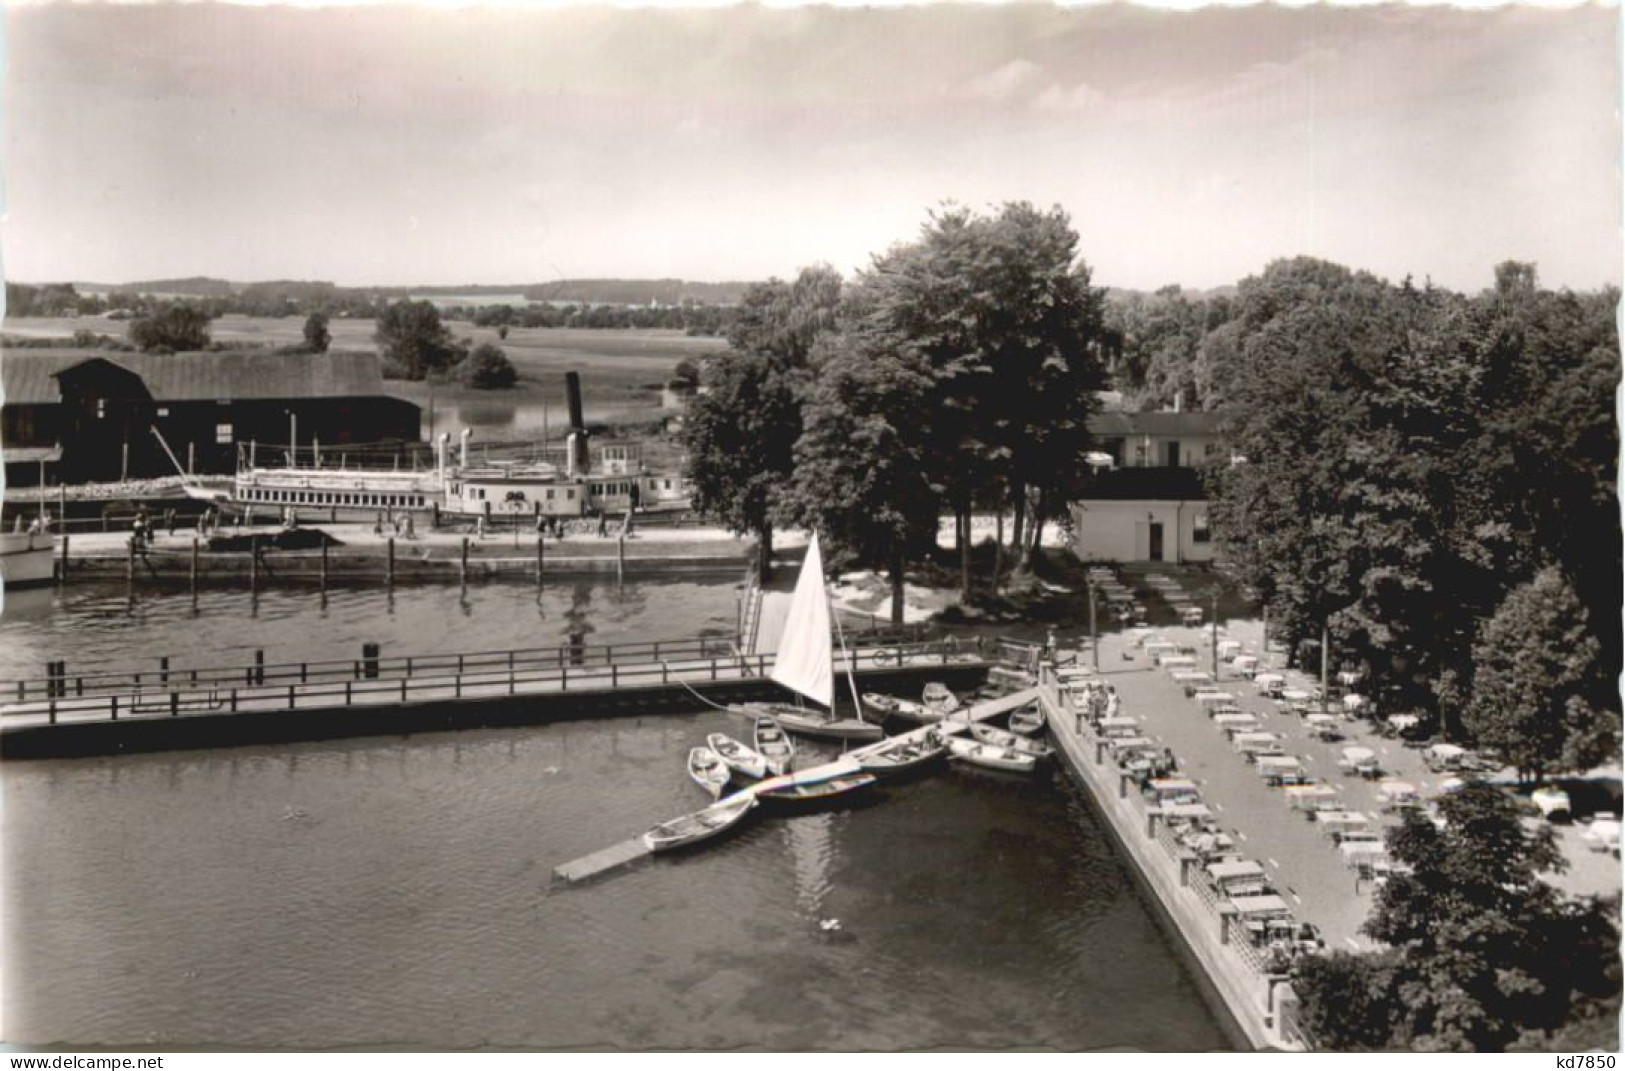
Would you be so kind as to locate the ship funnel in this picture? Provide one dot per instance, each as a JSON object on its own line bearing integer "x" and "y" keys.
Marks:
{"x": 576, "y": 444}
{"x": 462, "y": 448}
{"x": 440, "y": 447}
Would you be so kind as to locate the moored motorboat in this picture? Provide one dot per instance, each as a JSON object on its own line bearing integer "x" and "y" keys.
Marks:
{"x": 901, "y": 753}
{"x": 708, "y": 770}
{"x": 26, "y": 558}
{"x": 1027, "y": 722}
{"x": 701, "y": 825}
{"x": 811, "y": 791}
{"x": 746, "y": 760}
{"x": 990, "y": 756}
{"x": 889, "y": 706}
{"x": 987, "y": 734}
{"x": 937, "y": 697}
{"x": 775, "y": 745}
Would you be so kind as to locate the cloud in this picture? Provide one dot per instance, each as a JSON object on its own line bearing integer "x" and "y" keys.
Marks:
{"x": 1017, "y": 80}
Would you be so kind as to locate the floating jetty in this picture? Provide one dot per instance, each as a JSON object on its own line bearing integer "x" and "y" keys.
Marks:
{"x": 630, "y": 851}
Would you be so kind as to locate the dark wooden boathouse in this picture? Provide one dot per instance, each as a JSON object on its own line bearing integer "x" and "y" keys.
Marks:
{"x": 84, "y": 415}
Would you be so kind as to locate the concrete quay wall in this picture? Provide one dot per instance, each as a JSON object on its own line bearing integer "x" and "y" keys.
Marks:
{"x": 1240, "y": 992}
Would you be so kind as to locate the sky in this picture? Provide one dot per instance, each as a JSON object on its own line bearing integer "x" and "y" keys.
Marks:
{"x": 400, "y": 145}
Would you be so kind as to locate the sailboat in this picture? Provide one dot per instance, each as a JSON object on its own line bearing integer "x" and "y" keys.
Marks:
{"x": 806, "y": 663}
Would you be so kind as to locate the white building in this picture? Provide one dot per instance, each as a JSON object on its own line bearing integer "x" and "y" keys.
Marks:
{"x": 1152, "y": 507}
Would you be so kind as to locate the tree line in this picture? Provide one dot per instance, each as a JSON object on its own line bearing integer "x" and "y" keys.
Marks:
{"x": 1429, "y": 486}
{"x": 958, "y": 371}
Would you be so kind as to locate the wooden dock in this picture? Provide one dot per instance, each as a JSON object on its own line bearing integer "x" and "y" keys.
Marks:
{"x": 630, "y": 851}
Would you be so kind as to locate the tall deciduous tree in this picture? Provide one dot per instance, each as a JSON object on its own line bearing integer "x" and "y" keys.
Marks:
{"x": 741, "y": 436}
{"x": 1536, "y": 665}
{"x": 172, "y": 329}
{"x": 1480, "y": 951}
{"x": 317, "y": 336}
{"x": 411, "y": 336}
{"x": 860, "y": 476}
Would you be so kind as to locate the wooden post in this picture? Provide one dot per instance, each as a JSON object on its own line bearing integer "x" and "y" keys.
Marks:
{"x": 620, "y": 557}
{"x": 1214, "y": 636}
{"x": 539, "y": 559}
{"x": 193, "y": 573}
{"x": 1094, "y": 635}
{"x": 62, "y": 570}
{"x": 324, "y": 565}
{"x": 129, "y": 567}
{"x": 259, "y": 666}
{"x": 464, "y": 566}
{"x": 163, "y": 670}
{"x": 254, "y": 564}
{"x": 389, "y": 567}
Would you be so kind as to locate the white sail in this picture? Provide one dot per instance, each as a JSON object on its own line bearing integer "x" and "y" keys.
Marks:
{"x": 806, "y": 660}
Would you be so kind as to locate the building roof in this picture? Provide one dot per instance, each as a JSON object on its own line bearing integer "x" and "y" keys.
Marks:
{"x": 1145, "y": 485}
{"x": 28, "y": 376}
{"x": 1159, "y": 424}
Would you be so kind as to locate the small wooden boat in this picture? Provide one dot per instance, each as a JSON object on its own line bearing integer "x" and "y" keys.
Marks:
{"x": 708, "y": 770}
{"x": 775, "y": 745}
{"x": 746, "y": 760}
{"x": 901, "y": 753}
{"x": 888, "y": 706}
{"x": 994, "y": 758}
{"x": 937, "y": 697}
{"x": 1027, "y": 722}
{"x": 987, "y": 734}
{"x": 814, "y": 722}
{"x": 701, "y": 825}
{"x": 811, "y": 791}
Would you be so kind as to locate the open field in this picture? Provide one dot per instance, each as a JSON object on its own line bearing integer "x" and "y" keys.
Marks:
{"x": 621, "y": 371}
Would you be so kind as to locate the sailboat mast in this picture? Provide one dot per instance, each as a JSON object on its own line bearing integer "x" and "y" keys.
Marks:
{"x": 834, "y": 615}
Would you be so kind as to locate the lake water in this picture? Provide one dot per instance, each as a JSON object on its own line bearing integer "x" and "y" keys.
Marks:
{"x": 397, "y": 891}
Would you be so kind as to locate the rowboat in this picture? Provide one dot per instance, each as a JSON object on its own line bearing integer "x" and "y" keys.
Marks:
{"x": 888, "y": 706}
{"x": 708, "y": 770}
{"x": 901, "y": 753}
{"x": 746, "y": 760}
{"x": 811, "y": 791}
{"x": 701, "y": 825}
{"x": 987, "y": 734}
{"x": 990, "y": 756}
{"x": 1027, "y": 722}
{"x": 938, "y": 698}
{"x": 775, "y": 745}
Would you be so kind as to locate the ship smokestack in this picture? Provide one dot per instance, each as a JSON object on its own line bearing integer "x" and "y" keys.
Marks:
{"x": 462, "y": 448}
{"x": 440, "y": 447}
{"x": 576, "y": 444}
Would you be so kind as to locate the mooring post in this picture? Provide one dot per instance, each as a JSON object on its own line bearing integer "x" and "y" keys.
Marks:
{"x": 259, "y": 666}
{"x": 129, "y": 565}
{"x": 389, "y": 568}
{"x": 464, "y": 567}
{"x": 324, "y": 565}
{"x": 193, "y": 571}
{"x": 620, "y": 557}
{"x": 539, "y": 558}
{"x": 163, "y": 670}
{"x": 62, "y": 571}
{"x": 254, "y": 564}
{"x": 1094, "y": 634}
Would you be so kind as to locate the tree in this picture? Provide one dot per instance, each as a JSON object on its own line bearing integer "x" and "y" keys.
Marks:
{"x": 1000, "y": 309}
{"x": 860, "y": 475}
{"x": 411, "y": 337}
{"x": 173, "y": 329}
{"x": 1480, "y": 950}
{"x": 1536, "y": 664}
{"x": 488, "y": 368}
{"x": 687, "y": 373}
{"x": 317, "y": 337}
{"x": 741, "y": 436}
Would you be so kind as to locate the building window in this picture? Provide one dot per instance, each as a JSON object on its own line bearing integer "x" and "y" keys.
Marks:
{"x": 1199, "y": 529}
{"x": 163, "y": 410}
{"x": 101, "y": 408}
{"x": 222, "y": 434}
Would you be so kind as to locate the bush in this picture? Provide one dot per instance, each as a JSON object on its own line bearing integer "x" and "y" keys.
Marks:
{"x": 488, "y": 368}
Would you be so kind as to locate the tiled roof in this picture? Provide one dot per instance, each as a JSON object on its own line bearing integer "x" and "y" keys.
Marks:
{"x": 28, "y": 375}
{"x": 1159, "y": 424}
{"x": 1144, "y": 485}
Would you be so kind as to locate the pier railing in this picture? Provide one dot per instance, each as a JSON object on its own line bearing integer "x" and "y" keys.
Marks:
{"x": 421, "y": 678}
